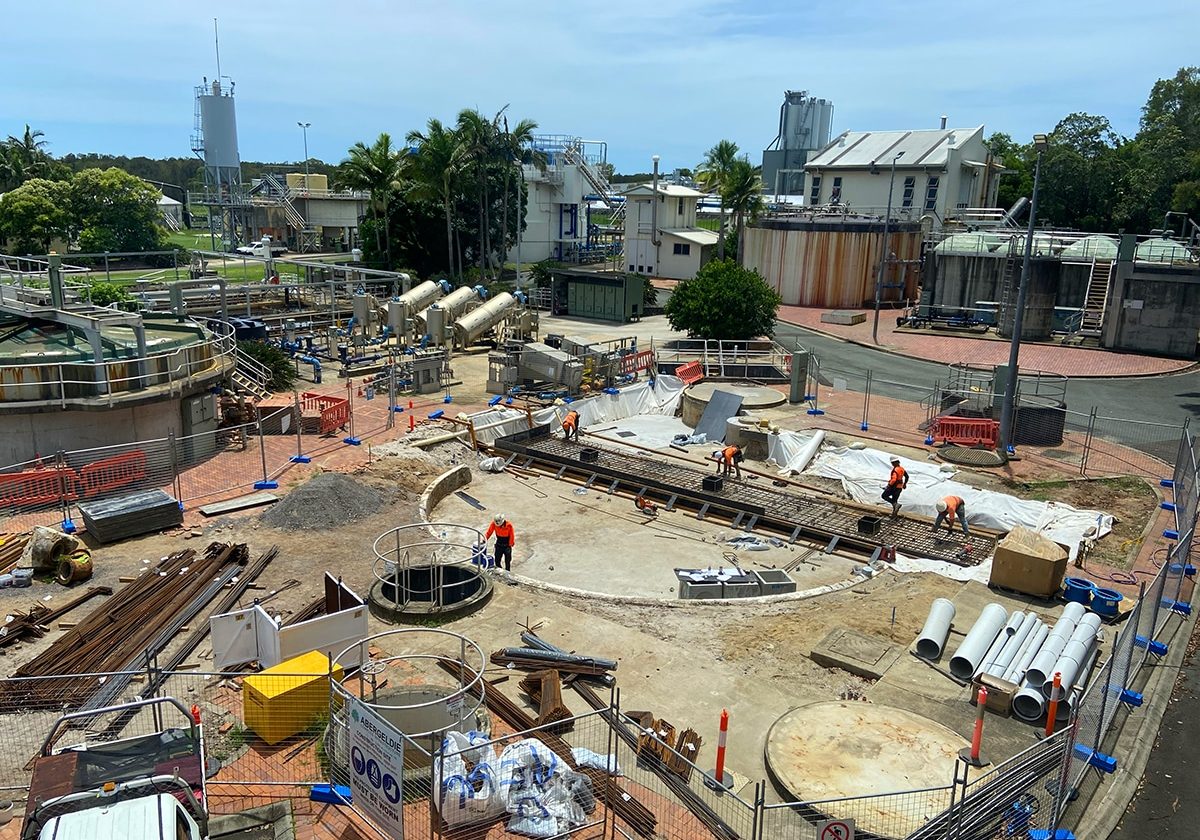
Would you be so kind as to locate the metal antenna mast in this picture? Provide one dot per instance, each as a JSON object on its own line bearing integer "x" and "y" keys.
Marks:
{"x": 217, "y": 45}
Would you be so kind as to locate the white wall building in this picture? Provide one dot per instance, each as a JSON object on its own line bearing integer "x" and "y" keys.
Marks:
{"x": 171, "y": 212}
{"x": 674, "y": 247}
{"x": 939, "y": 172}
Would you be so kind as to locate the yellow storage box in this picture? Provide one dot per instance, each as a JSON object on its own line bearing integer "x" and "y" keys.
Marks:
{"x": 286, "y": 698}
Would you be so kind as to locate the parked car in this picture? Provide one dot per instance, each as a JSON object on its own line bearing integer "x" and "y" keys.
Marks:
{"x": 257, "y": 249}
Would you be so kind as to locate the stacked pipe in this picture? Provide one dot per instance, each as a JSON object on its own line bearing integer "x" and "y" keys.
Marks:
{"x": 535, "y": 659}
{"x": 1067, "y": 649}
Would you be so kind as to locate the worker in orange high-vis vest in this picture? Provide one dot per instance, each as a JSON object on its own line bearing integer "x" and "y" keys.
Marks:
{"x": 947, "y": 509}
{"x": 506, "y": 538}
{"x": 570, "y": 425}
{"x": 731, "y": 458}
{"x": 896, "y": 484}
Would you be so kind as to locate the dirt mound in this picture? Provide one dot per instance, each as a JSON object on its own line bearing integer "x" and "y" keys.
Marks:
{"x": 328, "y": 500}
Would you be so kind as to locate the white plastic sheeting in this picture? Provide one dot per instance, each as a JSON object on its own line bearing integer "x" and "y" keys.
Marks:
{"x": 660, "y": 396}
{"x": 864, "y": 472}
{"x": 791, "y": 451}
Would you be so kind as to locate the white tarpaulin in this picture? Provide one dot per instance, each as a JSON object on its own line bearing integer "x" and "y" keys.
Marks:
{"x": 653, "y": 431}
{"x": 864, "y": 472}
{"x": 791, "y": 451}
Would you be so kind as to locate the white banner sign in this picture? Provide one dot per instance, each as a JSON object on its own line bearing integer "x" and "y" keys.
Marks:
{"x": 376, "y": 767}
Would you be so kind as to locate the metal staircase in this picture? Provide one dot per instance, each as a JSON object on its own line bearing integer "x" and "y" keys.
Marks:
{"x": 1095, "y": 301}
{"x": 1009, "y": 282}
{"x": 597, "y": 181}
{"x": 250, "y": 378}
{"x": 282, "y": 194}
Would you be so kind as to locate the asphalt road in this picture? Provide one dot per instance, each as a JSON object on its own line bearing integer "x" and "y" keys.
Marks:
{"x": 1152, "y": 399}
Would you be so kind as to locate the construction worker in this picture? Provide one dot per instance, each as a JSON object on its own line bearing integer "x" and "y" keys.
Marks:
{"x": 947, "y": 509}
{"x": 732, "y": 459}
{"x": 506, "y": 538}
{"x": 570, "y": 425}
{"x": 896, "y": 484}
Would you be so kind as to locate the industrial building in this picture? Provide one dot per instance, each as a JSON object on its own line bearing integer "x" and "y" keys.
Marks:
{"x": 661, "y": 236}
{"x": 805, "y": 125}
{"x": 938, "y": 172}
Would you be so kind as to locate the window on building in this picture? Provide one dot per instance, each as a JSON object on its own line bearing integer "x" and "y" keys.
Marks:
{"x": 931, "y": 189}
{"x": 631, "y": 266}
{"x": 680, "y": 210}
{"x": 814, "y": 197}
{"x": 835, "y": 195}
{"x": 910, "y": 187}
{"x": 682, "y": 249}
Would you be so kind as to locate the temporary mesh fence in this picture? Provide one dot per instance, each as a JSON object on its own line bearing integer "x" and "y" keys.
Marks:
{"x": 878, "y": 815}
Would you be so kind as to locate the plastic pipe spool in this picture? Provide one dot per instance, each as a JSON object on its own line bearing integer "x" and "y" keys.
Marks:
{"x": 1006, "y": 633}
{"x": 936, "y": 630}
{"x": 1075, "y": 654}
{"x": 1042, "y": 666}
{"x": 977, "y": 641}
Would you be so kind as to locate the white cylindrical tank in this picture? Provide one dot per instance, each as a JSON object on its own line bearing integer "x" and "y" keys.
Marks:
{"x": 419, "y": 297}
{"x": 396, "y": 312}
{"x": 434, "y": 325}
{"x": 362, "y": 311}
{"x": 475, "y": 323}
{"x": 454, "y": 303}
{"x": 218, "y": 124}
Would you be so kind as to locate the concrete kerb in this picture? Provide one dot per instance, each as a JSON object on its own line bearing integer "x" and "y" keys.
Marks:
{"x": 884, "y": 349}
{"x": 460, "y": 476}
{"x": 1135, "y": 743}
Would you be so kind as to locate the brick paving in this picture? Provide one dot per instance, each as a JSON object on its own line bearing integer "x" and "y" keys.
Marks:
{"x": 984, "y": 350}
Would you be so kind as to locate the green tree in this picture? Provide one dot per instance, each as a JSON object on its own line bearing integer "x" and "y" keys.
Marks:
{"x": 724, "y": 301}
{"x": 712, "y": 175}
{"x": 283, "y": 369}
{"x": 1081, "y": 171}
{"x": 28, "y": 155}
{"x": 114, "y": 211}
{"x": 103, "y": 293}
{"x": 375, "y": 168}
{"x": 477, "y": 145}
{"x": 1017, "y": 181}
{"x": 433, "y": 171}
{"x": 34, "y": 214}
{"x": 741, "y": 192}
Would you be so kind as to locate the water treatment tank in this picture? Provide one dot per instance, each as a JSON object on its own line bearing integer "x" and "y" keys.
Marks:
{"x": 1163, "y": 251}
{"x": 967, "y": 267}
{"x": 362, "y": 310}
{"x": 1077, "y": 260}
{"x": 454, "y": 304}
{"x": 434, "y": 325}
{"x": 469, "y": 328}
{"x": 1040, "y": 295}
{"x": 396, "y": 312}
{"x": 421, "y": 296}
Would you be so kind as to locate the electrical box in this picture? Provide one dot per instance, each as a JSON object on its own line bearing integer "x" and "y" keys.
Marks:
{"x": 287, "y": 698}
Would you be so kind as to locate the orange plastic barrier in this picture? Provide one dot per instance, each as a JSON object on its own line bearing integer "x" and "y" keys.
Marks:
{"x": 112, "y": 473}
{"x": 967, "y": 431}
{"x": 690, "y": 373}
{"x": 635, "y": 362}
{"x": 335, "y": 411}
{"x": 37, "y": 487}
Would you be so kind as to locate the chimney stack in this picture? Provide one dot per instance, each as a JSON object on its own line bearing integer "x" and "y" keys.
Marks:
{"x": 943, "y": 122}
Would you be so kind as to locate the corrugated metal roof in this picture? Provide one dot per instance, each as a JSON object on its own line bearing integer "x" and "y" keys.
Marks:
{"x": 697, "y": 235}
{"x": 664, "y": 189}
{"x": 924, "y": 147}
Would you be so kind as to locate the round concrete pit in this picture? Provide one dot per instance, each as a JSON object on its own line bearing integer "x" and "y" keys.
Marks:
{"x": 754, "y": 397}
{"x": 836, "y": 749}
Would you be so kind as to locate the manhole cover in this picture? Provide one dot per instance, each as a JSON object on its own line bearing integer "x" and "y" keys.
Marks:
{"x": 626, "y": 434}
{"x": 971, "y": 457}
{"x": 856, "y": 646}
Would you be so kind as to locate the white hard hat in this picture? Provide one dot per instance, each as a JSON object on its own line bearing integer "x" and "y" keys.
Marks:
{"x": 498, "y": 519}
{"x": 941, "y": 507}
{"x": 895, "y": 460}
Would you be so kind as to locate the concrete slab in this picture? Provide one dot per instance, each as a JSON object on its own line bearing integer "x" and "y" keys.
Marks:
{"x": 858, "y": 653}
{"x": 836, "y": 749}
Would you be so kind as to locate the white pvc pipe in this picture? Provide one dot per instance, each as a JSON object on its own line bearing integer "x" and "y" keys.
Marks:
{"x": 1028, "y": 703}
{"x": 1016, "y": 671}
{"x": 1010, "y": 650}
{"x": 936, "y": 630}
{"x": 1043, "y": 664}
{"x": 975, "y": 645}
{"x": 1075, "y": 654}
{"x": 1006, "y": 634}
{"x": 1067, "y": 703}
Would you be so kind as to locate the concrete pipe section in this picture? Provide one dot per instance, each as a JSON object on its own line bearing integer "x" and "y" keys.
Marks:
{"x": 835, "y": 749}
{"x": 978, "y": 641}
{"x": 936, "y": 630}
{"x": 428, "y": 569}
{"x": 1043, "y": 663}
{"x": 754, "y": 397}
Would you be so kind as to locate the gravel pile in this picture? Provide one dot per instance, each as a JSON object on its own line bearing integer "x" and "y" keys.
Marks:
{"x": 327, "y": 501}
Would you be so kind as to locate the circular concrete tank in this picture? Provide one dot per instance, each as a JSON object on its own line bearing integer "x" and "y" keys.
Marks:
{"x": 754, "y": 397}
{"x": 839, "y": 749}
{"x": 750, "y": 433}
{"x": 1039, "y": 301}
{"x": 428, "y": 569}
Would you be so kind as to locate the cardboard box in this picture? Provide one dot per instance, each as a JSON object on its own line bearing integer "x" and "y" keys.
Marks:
{"x": 1000, "y": 694}
{"x": 1030, "y": 563}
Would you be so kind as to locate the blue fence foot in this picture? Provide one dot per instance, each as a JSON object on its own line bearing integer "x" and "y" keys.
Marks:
{"x": 495, "y": 400}
{"x": 808, "y": 398}
{"x": 1171, "y": 535}
{"x": 1131, "y": 698}
{"x": 352, "y": 441}
{"x": 929, "y": 440}
{"x": 863, "y": 427}
{"x": 434, "y": 415}
{"x": 1156, "y": 648}
{"x": 331, "y": 794}
{"x": 300, "y": 459}
{"x": 815, "y": 411}
{"x": 1182, "y": 608}
{"x": 1167, "y": 506}
{"x": 399, "y": 409}
{"x": 1046, "y": 834}
{"x": 1166, "y": 482}
{"x": 266, "y": 485}
{"x": 447, "y": 399}
{"x": 1103, "y": 763}
{"x": 68, "y": 527}
{"x": 1011, "y": 452}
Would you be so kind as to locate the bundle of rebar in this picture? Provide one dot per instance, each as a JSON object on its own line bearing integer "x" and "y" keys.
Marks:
{"x": 636, "y": 815}
{"x": 132, "y": 627}
{"x": 12, "y": 546}
{"x": 545, "y": 689}
{"x": 690, "y": 799}
{"x": 533, "y": 659}
{"x": 33, "y": 624}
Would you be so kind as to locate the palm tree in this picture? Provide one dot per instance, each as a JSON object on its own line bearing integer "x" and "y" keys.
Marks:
{"x": 433, "y": 171}
{"x": 375, "y": 168}
{"x": 712, "y": 174}
{"x": 27, "y": 153}
{"x": 476, "y": 149}
{"x": 516, "y": 147}
{"x": 742, "y": 194}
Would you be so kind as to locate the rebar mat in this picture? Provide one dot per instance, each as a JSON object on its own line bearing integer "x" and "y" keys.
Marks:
{"x": 812, "y": 514}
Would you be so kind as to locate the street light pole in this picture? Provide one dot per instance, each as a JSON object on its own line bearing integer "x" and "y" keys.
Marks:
{"x": 304, "y": 126}
{"x": 883, "y": 252}
{"x": 1014, "y": 348}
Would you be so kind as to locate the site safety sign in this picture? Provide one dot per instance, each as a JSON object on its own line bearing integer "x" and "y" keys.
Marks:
{"x": 376, "y": 767}
{"x": 835, "y": 830}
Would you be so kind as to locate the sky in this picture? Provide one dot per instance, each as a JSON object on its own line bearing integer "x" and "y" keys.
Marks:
{"x": 667, "y": 77}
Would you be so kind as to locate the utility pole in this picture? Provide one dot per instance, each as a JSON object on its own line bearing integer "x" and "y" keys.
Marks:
{"x": 304, "y": 126}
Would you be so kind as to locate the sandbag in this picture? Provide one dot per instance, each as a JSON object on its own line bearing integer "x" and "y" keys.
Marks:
{"x": 465, "y": 775}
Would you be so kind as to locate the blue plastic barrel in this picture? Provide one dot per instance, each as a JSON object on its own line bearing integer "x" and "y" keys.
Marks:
{"x": 1078, "y": 590}
{"x": 1105, "y": 601}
